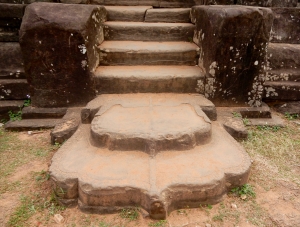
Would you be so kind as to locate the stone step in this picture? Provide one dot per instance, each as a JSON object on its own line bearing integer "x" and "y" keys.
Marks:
{"x": 284, "y": 55}
{"x": 32, "y": 124}
{"x": 154, "y": 3}
{"x": 107, "y": 100}
{"x": 14, "y": 89}
{"x": 151, "y": 123}
{"x": 9, "y": 36}
{"x": 11, "y": 61}
{"x": 283, "y": 75}
{"x": 140, "y": 31}
{"x": 170, "y": 180}
{"x": 176, "y": 15}
{"x": 39, "y": 113}
{"x": 282, "y": 90}
{"x": 9, "y": 105}
{"x": 148, "y": 53}
{"x": 142, "y": 79}
{"x": 126, "y": 13}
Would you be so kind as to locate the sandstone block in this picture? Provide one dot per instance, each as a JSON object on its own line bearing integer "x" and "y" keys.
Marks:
{"x": 11, "y": 10}
{"x": 269, "y": 3}
{"x": 233, "y": 43}
{"x": 126, "y": 13}
{"x": 11, "y": 61}
{"x": 58, "y": 42}
{"x": 168, "y": 15}
{"x": 286, "y": 25}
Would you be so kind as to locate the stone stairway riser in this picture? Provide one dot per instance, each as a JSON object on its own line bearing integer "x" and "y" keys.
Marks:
{"x": 136, "y": 31}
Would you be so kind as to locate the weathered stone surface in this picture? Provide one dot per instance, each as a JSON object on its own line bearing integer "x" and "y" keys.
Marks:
{"x": 148, "y": 53}
{"x": 233, "y": 42}
{"x": 284, "y": 56}
{"x": 11, "y": 62}
{"x": 283, "y": 74}
{"x": 126, "y": 13}
{"x": 11, "y": 10}
{"x": 9, "y": 37}
{"x": 140, "y": 31}
{"x": 170, "y": 180}
{"x": 282, "y": 90}
{"x": 9, "y": 105}
{"x": 162, "y": 3}
{"x": 290, "y": 107}
{"x": 286, "y": 25}
{"x": 168, "y": 15}
{"x": 105, "y": 102}
{"x": 31, "y": 124}
{"x": 75, "y": 1}
{"x": 269, "y": 3}
{"x": 58, "y": 42}
{"x": 150, "y": 128}
{"x": 255, "y": 112}
{"x": 135, "y": 79}
{"x": 14, "y": 89}
{"x": 274, "y": 121}
{"x": 235, "y": 127}
{"x": 34, "y": 112}
{"x": 64, "y": 130}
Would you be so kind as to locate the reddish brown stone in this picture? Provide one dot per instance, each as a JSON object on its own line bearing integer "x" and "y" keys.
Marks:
{"x": 58, "y": 42}
{"x": 233, "y": 42}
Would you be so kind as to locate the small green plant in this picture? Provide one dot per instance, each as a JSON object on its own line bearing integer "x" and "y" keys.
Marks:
{"x": 160, "y": 223}
{"x": 15, "y": 116}
{"x": 23, "y": 212}
{"x": 131, "y": 214}
{"x": 236, "y": 114}
{"x": 244, "y": 190}
{"x": 268, "y": 128}
{"x": 42, "y": 176}
{"x": 27, "y": 102}
{"x": 291, "y": 116}
{"x": 246, "y": 121}
{"x": 219, "y": 217}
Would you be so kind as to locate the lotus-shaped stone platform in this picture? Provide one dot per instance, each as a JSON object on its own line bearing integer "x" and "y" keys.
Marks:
{"x": 157, "y": 151}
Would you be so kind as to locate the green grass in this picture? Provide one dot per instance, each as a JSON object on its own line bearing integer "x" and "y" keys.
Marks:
{"x": 245, "y": 189}
{"x": 131, "y": 214}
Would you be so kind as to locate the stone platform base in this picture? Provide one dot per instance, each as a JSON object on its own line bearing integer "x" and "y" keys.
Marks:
{"x": 100, "y": 180}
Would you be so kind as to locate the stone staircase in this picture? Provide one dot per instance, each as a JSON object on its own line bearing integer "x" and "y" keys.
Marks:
{"x": 148, "y": 139}
{"x": 283, "y": 73}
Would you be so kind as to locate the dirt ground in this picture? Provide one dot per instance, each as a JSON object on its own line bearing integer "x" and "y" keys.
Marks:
{"x": 26, "y": 198}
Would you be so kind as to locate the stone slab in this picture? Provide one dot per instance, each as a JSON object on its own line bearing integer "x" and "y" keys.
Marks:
{"x": 11, "y": 10}
{"x": 125, "y": 13}
{"x": 282, "y": 90}
{"x": 283, "y": 74}
{"x": 39, "y": 113}
{"x": 9, "y": 105}
{"x": 140, "y": 31}
{"x": 14, "y": 89}
{"x": 274, "y": 121}
{"x": 284, "y": 56}
{"x": 105, "y": 102}
{"x": 233, "y": 43}
{"x": 161, "y": 3}
{"x": 290, "y": 107}
{"x": 235, "y": 127}
{"x": 148, "y": 53}
{"x": 64, "y": 130}
{"x": 103, "y": 181}
{"x": 11, "y": 61}
{"x": 247, "y": 112}
{"x": 286, "y": 25}
{"x": 177, "y": 15}
{"x": 268, "y": 3}
{"x": 31, "y": 124}
{"x": 9, "y": 37}
{"x": 150, "y": 128}
{"x": 142, "y": 79}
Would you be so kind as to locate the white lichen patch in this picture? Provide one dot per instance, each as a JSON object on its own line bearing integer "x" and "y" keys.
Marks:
{"x": 84, "y": 64}
{"x": 270, "y": 92}
{"x": 82, "y": 48}
{"x": 200, "y": 87}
